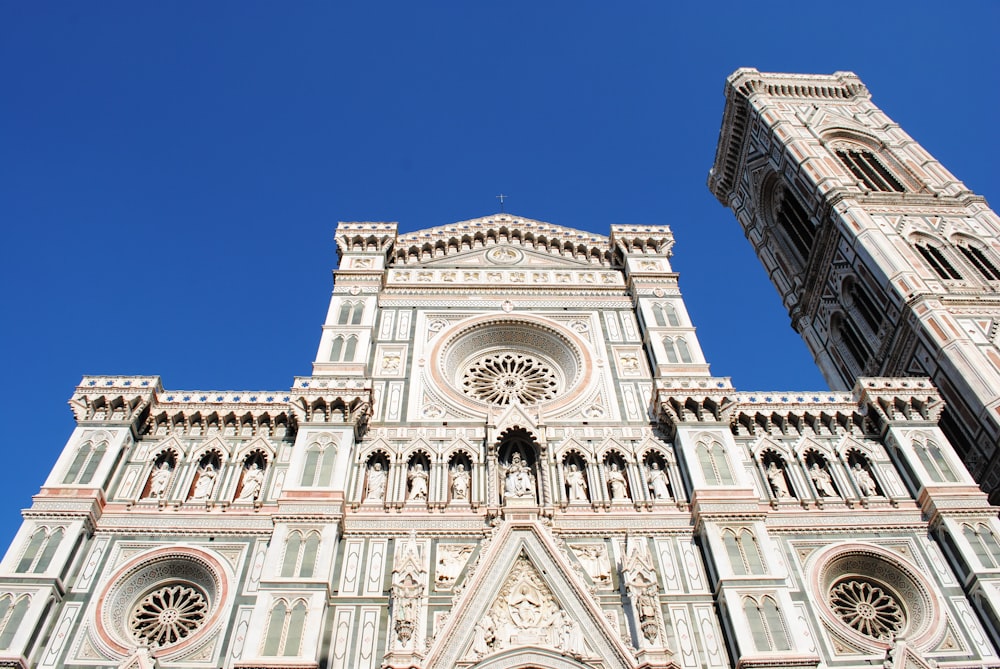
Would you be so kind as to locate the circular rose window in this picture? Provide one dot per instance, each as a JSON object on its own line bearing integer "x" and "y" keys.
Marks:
{"x": 500, "y": 360}
{"x": 169, "y": 614}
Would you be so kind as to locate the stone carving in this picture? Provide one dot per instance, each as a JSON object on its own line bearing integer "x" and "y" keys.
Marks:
{"x": 822, "y": 480}
{"x": 617, "y": 484}
{"x": 594, "y": 560}
{"x": 407, "y": 593}
{"x": 206, "y": 483}
{"x": 376, "y": 483}
{"x": 418, "y": 482}
{"x": 656, "y": 479}
{"x": 576, "y": 483}
{"x": 159, "y": 481}
{"x": 639, "y": 578}
{"x": 776, "y": 478}
{"x": 390, "y": 362}
{"x": 519, "y": 482}
{"x": 459, "y": 483}
{"x": 866, "y": 482}
{"x": 450, "y": 560}
{"x": 253, "y": 481}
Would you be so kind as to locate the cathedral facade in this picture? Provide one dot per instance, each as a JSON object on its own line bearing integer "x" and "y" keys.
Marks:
{"x": 510, "y": 452}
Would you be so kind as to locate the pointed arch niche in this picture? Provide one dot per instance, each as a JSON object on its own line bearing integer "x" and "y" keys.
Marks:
{"x": 520, "y": 480}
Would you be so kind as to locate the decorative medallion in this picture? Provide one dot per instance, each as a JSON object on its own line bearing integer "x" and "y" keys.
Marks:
{"x": 499, "y": 378}
{"x": 504, "y": 255}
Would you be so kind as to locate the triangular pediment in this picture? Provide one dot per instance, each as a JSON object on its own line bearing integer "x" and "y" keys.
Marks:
{"x": 516, "y": 415}
{"x": 525, "y": 597}
{"x": 901, "y": 656}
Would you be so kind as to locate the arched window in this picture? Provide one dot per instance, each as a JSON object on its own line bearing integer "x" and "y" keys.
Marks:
{"x": 714, "y": 463}
{"x": 284, "y": 629}
{"x": 864, "y": 305}
{"x": 936, "y": 258}
{"x": 81, "y": 471}
{"x": 775, "y": 624}
{"x": 318, "y": 468}
{"x": 794, "y": 222}
{"x": 766, "y": 624}
{"x": 677, "y": 349}
{"x": 300, "y": 555}
{"x": 350, "y": 313}
{"x": 978, "y": 259}
{"x": 11, "y": 614}
{"x": 343, "y": 348}
{"x": 665, "y": 314}
{"x": 869, "y": 170}
{"x": 41, "y": 548}
{"x": 743, "y": 552}
{"x": 935, "y": 462}
{"x": 853, "y": 347}
{"x": 984, "y": 544}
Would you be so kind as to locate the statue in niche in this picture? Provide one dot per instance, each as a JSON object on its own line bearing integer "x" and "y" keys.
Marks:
{"x": 866, "y": 482}
{"x": 576, "y": 482}
{"x": 657, "y": 481}
{"x": 460, "y": 480}
{"x": 159, "y": 481}
{"x": 519, "y": 481}
{"x": 822, "y": 480}
{"x": 253, "y": 481}
{"x": 406, "y": 594}
{"x": 776, "y": 477}
{"x": 206, "y": 483}
{"x": 376, "y": 482}
{"x": 617, "y": 484}
{"x": 418, "y": 482}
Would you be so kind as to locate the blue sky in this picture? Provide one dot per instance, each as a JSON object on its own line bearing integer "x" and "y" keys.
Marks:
{"x": 171, "y": 173}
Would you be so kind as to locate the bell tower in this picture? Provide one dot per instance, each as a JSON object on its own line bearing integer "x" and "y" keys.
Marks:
{"x": 888, "y": 265}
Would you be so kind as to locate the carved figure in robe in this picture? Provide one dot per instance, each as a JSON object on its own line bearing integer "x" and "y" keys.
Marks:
{"x": 484, "y": 637}
{"x": 822, "y": 480}
{"x": 866, "y": 483}
{"x": 616, "y": 482}
{"x": 376, "y": 482}
{"x": 576, "y": 482}
{"x": 418, "y": 482}
{"x": 656, "y": 478}
{"x": 519, "y": 480}
{"x": 253, "y": 480}
{"x": 406, "y": 596}
{"x": 459, "y": 482}
{"x": 776, "y": 477}
{"x": 206, "y": 483}
{"x": 159, "y": 481}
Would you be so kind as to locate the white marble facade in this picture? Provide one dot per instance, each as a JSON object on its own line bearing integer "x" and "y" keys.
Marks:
{"x": 510, "y": 453}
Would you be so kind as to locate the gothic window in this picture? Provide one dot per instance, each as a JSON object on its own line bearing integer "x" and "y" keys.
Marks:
{"x": 41, "y": 548}
{"x": 84, "y": 466}
{"x": 677, "y": 349}
{"x": 714, "y": 463}
{"x": 984, "y": 544}
{"x": 795, "y": 223}
{"x": 865, "y": 306}
{"x": 766, "y": 624}
{"x": 350, "y": 313}
{"x": 869, "y": 170}
{"x": 852, "y": 345}
{"x": 936, "y": 258}
{"x": 300, "y": 555}
{"x": 343, "y": 348}
{"x": 11, "y": 614}
{"x": 935, "y": 462}
{"x": 284, "y": 629}
{"x": 665, "y": 314}
{"x": 978, "y": 259}
{"x": 743, "y": 552}
{"x": 318, "y": 468}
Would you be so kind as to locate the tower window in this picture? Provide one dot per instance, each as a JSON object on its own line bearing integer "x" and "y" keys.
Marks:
{"x": 866, "y": 307}
{"x": 978, "y": 259}
{"x": 792, "y": 218}
{"x": 854, "y": 343}
{"x": 869, "y": 171}
{"x": 937, "y": 260}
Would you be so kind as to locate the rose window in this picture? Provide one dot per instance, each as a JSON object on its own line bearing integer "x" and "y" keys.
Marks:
{"x": 168, "y": 615}
{"x": 867, "y": 608}
{"x": 499, "y": 378}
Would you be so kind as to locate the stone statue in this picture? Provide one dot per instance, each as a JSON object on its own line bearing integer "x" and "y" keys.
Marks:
{"x": 866, "y": 482}
{"x": 406, "y": 595}
{"x": 253, "y": 480}
{"x": 484, "y": 638}
{"x": 459, "y": 483}
{"x": 593, "y": 558}
{"x": 376, "y": 482}
{"x": 616, "y": 482}
{"x": 519, "y": 480}
{"x": 656, "y": 478}
{"x": 576, "y": 482}
{"x": 776, "y": 477}
{"x": 159, "y": 481}
{"x": 821, "y": 479}
{"x": 418, "y": 482}
{"x": 205, "y": 484}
